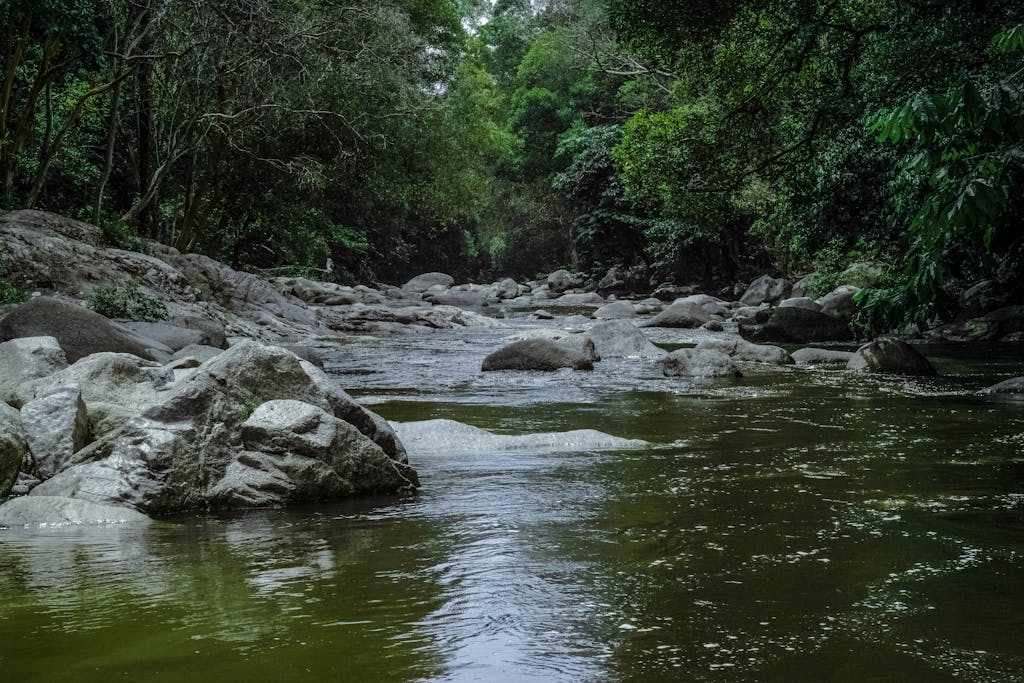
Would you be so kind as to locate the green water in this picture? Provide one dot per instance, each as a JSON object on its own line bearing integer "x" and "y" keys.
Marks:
{"x": 792, "y": 525}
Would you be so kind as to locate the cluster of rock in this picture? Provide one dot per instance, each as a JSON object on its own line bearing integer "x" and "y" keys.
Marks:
{"x": 250, "y": 426}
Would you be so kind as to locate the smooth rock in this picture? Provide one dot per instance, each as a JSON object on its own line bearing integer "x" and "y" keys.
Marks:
{"x": 622, "y": 339}
{"x": 422, "y": 283}
{"x": 765, "y": 289}
{"x": 797, "y": 325}
{"x": 172, "y": 336}
{"x": 562, "y": 280}
{"x": 79, "y": 331}
{"x": 447, "y": 438}
{"x": 699, "y": 363}
{"x": 616, "y": 310}
{"x": 840, "y": 302}
{"x": 26, "y": 359}
{"x": 55, "y": 511}
{"x": 539, "y": 355}
{"x": 681, "y": 314}
{"x": 1014, "y": 385}
{"x": 890, "y": 355}
{"x": 56, "y": 427}
{"x": 742, "y": 350}
{"x": 801, "y": 302}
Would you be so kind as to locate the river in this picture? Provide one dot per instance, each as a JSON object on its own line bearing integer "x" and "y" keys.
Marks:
{"x": 791, "y": 525}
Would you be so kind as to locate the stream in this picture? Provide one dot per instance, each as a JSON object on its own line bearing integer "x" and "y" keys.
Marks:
{"x": 794, "y": 524}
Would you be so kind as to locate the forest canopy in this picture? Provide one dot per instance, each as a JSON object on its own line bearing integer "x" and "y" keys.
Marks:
{"x": 683, "y": 141}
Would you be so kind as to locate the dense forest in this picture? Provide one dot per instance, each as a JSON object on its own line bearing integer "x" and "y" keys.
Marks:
{"x": 681, "y": 141}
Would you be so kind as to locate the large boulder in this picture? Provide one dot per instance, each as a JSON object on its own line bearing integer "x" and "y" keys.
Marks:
{"x": 616, "y": 310}
{"x": 506, "y": 289}
{"x": 712, "y": 305}
{"x": 562, "y": 280}
{"x": 613, "y": 281}
{"x": 890, "y": 355}
{"x": 537, "y": 354}
{"x": 797, "y": 325}
{"x": 699, "y": 363}
{"x": 840, "y": 302}
{"x": 683, "y": 314}
{"x": 49, "y": 511}
{"x": 56, "y": 427}
{"x": 622, "y": 339}
{"x": 801, "y": 287}
{"x": 812, "y": 356}
{"x": 13, "y": 447}
{"x": 765, "y": 289}
{"x": 1014, "y": 385}
{"x": 79, "y": 331}
{"x": 172, "y": 336}
{"x": 422, "y": 283}
{"x": 176, "y": 455}
{"x": 800, "y": 302}
{"x": 25, "y": 359}
{"x": 296, "y": 452}
{"x": 574, "y": 299}
{"x": 742, "y": 350}
{"x": 463, "y": 299}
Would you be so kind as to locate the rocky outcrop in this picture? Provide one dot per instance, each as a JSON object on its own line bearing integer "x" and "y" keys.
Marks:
{"x": 541, "y": 355}
{"x": 890, "y": 355}
{"x": 22, "y": 360}
{"x": 742, "y": 350}
{"x": 699, "y": 363}
{"x": 797, "y": 325}
{"x": 79, "y": 331}
{"x": 195, "y": 444}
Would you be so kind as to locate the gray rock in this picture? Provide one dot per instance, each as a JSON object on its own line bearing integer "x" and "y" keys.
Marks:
{"x": 752, "y": 315}
{"x": 13, "y": 447}
{"x": 616, "y": 310}
{"x": 742, "y": 350}
{"x": 541, "y": 314}
{"x": 863, "y": 274}
{"x": 306, "y": 353}
{"x": 213, "y": 332}
{"x": 890, "y": 355}
{"x": 622, "y": 339}
{"x": 681, "y": 314}
{"x": 172, "y": 336}
{"x": 506, "y": 289}
{"x": 25, "y": 359}
{"x": 79, "y": 331}
{"x": 614, "y": 280}
{"x": 765, "y": 289}
{"x": 797, "y": 325}
{"x": 422, "y": 283}
{"x": 1010, "y": 319}
{"x": 714, "y": 326}
{"x": 578, "y": 299}
{"x": 840, "y": 302}
{"x": 711, "y": 304}
{"x": 812, "y": 356}
{"x": 562, "y": 280}
{"x": 200, "y": 352}
{"x": 1014, "y": 385}
{"x": 537, "y": 354}
{"x": 801, "y": 302}
{"x": 56, "y": 427}
{"x": 53, "y": 511}
{"x": 699, "y": 363}
{"x": 801, "y": 287}
{"x": 464, "y": 299}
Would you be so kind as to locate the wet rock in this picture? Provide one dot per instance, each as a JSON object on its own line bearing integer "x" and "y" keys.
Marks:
{"x": 752, "y": 315}
{"x": 422, "y": 283}
{"x": 812, "y": 356}
{"x": 13, "y": 447}
{"x": 800, "y": 302}
{"x": 616, "y": 310}
{"x": 506, "y": 289}
{"x": 699, "y": 363}
{"x": 765, "y": 289}
{"x": 447, "y": 438}
{"x": 28, "y": 358}
{"x": 56, "y": 427}
{"x": 742, "y": 350}
{"x": 622, "y": 339}
{"x": 1014, "y": 385}
{"x": 306, "y": 353}
{"x": 614, "y": 280}
{"x": 465, "y": 299}
{"x": 681, "y": 314}
{"x": 712, "y": 305}
{"x": 840, "y": 302}
{"x": 539, "y": 355}
{"x": 79, "y": 331}
{"x": 578, "y": 299}
{"x": 714, "y": 326}
{"x": 797, "y": 325}
{"x": 55, "y": 511}
{"x": 890, "y": 355}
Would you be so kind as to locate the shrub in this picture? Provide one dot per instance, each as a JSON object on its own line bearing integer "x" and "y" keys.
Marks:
{"x": 124, "y": 299}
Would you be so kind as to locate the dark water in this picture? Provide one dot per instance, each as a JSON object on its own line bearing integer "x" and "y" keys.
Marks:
{"x": 792, "y": 525}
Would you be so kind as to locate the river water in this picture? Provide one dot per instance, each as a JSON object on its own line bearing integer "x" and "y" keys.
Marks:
{"x": 791, "y": 525}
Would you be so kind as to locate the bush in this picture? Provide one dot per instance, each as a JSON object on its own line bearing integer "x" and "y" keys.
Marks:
{"x": 10, "y": 293}
{"x": 125, "y": 300}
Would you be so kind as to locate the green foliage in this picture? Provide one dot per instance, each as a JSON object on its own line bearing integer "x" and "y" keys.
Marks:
{"x": 124, "y": 299}
{"x": 120, "y": 235}
{"x": 10, "y": 293}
